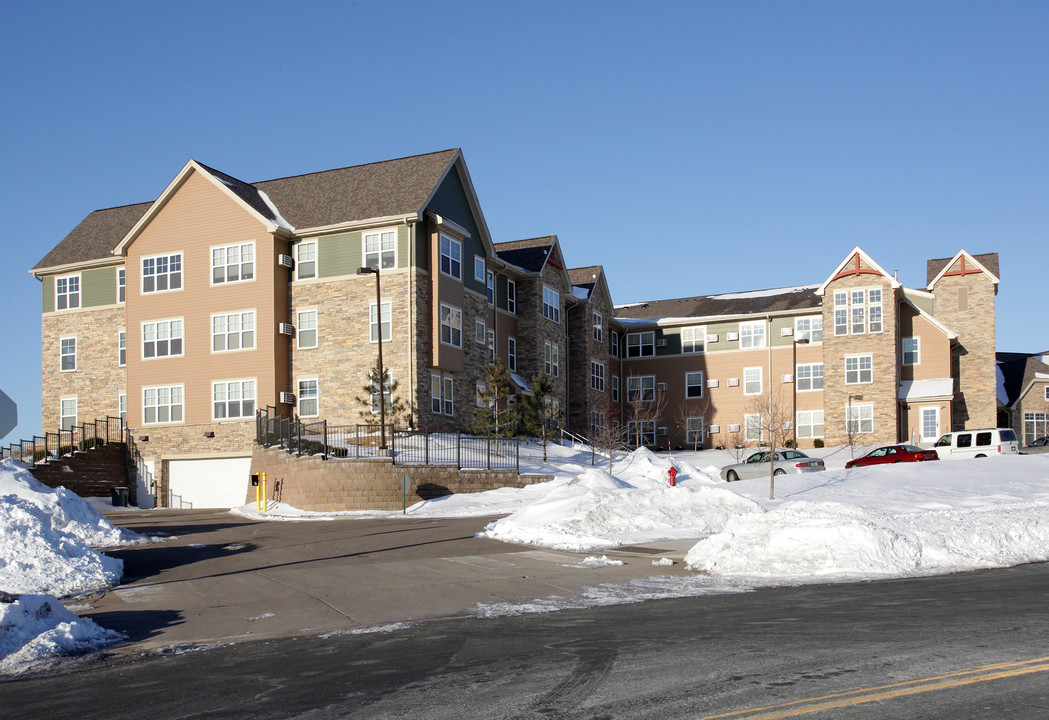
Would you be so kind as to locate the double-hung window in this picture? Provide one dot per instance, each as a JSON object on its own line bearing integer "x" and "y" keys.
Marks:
{"x": 641, "y": 388}
{"x": 306, "y": 329}
{"x": 597, "y": 376}
{"x": 306, "y": 260}
{"x": 67, "y": 409}
{"x": 441, "y": 395}
{"x": 233, "y": 263}
{"x": 615, "y": 388}
{"x": 752, "y": 381}
{"x": 380, "y": 249}
{"x": 694, "y": 385}
{"x": 859, "y": 369}
{"x": 233, "y": 331}
{"x": 809, "y": 328}
{"x": 599, "y": 327}
{"x": 911, "y": 351}
{"x": 809, "y": 377}
{"x": 489, "y": 285}
{"x": 309, "y": 398}
{"x": 451, "y": 257}
{"x": 162, "y": 404}
{"x": 121, "y": 285}
{"x": 67, "y": 354}
{"x": 641, "y": 344}
{"x": 162, "y": 338}
{"x": 480, "y": 331}
{"x": 551, "y": 360}
{"x": 233, "y": 399}
{"x": 122, "y": 348}
{"x": 385, "y": 322}
{"x": 752, "y": 428}
{"x": 841, "y": 313}
{"x": 641, "y": 432}
{"x": 387, "y": 396}
{"x": 613, "y": 345}
{"x": 859, "y": 419}
{"x": 491, "y": 346}
{"x": 479, "y": 268}
{"x": 810, "y": 423}
{"x": 67, "y": 292}
{"x": 511, "y": 354}
{"x": 858, "y": 311}
{"x": 752, "y": 334}
{"x": 451, "y": 325}
{"x": 161, "y": 273}
{"x": 693, "y": 339}
{"x": 694, "y": 431}
{"x": 511, "y": 297}
{"x": 551, "y": 304}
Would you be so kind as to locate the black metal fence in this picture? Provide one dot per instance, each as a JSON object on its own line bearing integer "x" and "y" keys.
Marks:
{"x": 65, "y": 441}
{"x": 404, "y": 447}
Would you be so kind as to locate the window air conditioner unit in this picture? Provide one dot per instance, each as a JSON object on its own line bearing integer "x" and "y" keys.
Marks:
{"x": 733, "y": 428}
{"x": 788, "y": 425}
{"x": 712, "y": 337}
{"x": 287, "y": 398}
{"x": 661, "y": 387}
{"x": 661, "y": 431}
{"x": 788, "y": 378}
{"x": 661, "y": 342}
{"x": 733, "y": 382}
{"x": 285, "y": 260}
{"x": 714, "y": 429}
{"x": 285, "y": 328}
{"x": 712, "y": 383}
{"x": 786, "y": 332}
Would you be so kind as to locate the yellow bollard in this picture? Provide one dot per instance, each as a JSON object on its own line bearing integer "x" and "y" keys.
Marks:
{"x": 265, "y": 495}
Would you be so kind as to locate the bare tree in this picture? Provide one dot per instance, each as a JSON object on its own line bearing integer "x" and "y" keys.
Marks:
{"x": 611, "y": 435}
{"x": 643, "y": 409}
{"x": 771, "y": 414}
{"x": 695, "y": 408}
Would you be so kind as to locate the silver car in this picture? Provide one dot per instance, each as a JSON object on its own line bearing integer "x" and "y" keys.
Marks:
{"x": 757, "y": 465}
{"x": 1041, "y": 445}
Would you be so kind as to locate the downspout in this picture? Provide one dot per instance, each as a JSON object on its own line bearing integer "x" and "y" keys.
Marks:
{"x": 413, "y": 351}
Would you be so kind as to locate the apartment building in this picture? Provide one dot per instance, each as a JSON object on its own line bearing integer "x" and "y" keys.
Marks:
{"x": 186, "y": 314}
{"x": 1023, "y": 394}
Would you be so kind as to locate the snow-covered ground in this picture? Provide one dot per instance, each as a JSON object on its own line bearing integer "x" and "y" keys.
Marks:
{"x": 838, "y": 525}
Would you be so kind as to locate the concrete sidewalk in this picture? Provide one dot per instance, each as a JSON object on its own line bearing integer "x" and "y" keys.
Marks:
{"x": 218, "y": 578}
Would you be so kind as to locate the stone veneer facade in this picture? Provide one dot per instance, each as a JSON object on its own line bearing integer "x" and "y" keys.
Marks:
{"x": 583, "y": 399}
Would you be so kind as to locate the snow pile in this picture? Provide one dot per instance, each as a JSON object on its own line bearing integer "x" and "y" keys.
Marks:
{"x": 36, "y": 628}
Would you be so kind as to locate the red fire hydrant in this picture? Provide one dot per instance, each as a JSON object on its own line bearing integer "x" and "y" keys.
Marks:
{"x": 673, "y": 476}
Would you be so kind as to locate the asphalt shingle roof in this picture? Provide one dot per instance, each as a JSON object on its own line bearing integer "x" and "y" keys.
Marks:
{"x": 746, "y": 303}
{"x": 988, "y": 260}
{"x": 529, "y": 255}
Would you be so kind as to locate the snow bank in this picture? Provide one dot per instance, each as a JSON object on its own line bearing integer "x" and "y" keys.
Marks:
{"x": 36, "y": 628}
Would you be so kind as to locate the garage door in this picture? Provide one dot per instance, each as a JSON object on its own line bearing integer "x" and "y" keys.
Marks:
{"x": 213, "y": 483}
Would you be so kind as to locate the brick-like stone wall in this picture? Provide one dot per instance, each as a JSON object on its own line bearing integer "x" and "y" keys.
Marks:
{"x": 583, "y": 399}
{"x": 311, "y": 483}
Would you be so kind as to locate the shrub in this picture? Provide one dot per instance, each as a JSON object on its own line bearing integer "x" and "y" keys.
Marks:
{"x": 817, "y": 443}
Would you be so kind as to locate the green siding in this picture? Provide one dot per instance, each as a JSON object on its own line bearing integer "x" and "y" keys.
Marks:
{"x": 49, "y": 293}
{"x": 343, "y": 254}
{"x": 98, "y": 287}
{"x": 450, "y": 201}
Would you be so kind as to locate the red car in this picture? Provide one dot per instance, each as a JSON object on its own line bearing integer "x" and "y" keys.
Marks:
{"x": 893, "y": 454}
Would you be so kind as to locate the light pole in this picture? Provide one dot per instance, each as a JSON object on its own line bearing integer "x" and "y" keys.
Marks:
{"x": 794, "y": 417}
{"x": 382, "y": 376}
{"x": 848, "y": 420}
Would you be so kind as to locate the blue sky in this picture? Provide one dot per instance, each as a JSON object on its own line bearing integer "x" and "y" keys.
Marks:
{"x": 690, "y": 148}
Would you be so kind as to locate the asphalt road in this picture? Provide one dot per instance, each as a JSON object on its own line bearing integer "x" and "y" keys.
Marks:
{"x": 972, "y": 645}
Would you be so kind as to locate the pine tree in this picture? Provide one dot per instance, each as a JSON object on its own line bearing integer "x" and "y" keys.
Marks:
{"x": 539, "y": 419}
{"x": 396, "y": 410}
{"x": 497, "y": 416}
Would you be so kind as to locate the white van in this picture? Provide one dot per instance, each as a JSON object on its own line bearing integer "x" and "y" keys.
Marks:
{"x": 977, "y": 443}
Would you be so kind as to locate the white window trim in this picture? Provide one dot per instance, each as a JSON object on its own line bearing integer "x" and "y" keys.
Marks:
{"x": 182, "y": 405}
{"x": 643, "y": 388}
{"x": 859, "y": 369}
{"x": 753, "y": 336}
{"x": 378, "y": 254}
{"x": 700, "y": 386}
{"x": 240, "y": 248}
{"x": 699, "y": 336}
{"x": 79, "y": 292}
{"x": 61, "y": 414}
{"x": 479, "y": 268}
{"x": 453, "y": 313}
{"x": 511, "y": 353}
{"x": 122, "y": 341}
{"x": 747, "y": 425}
{"x": 511, "y": 296}
{"x": 452, "y": 242}
{"x": 855, "y": 410}
{"x": 552, "y": 310}
{"x": 807, "y": 334}
{"x": 482, "y": 388}
{"x": 480, "y": 332}
{"x": 121, "y": 274}
{"x": 761, "y": 380}
{"x": 122, "y": 407}
{"x": 254, "y": 331}
{"x": 373, "y": 336}
{"x": 62, "y": 355}
{"x": 597, "y": 376}
{"x": 142, "y": 335}
{"x": 599, "y": 327}
{"x": 689, "y": 431}
{"x": 254, "y": 398}
{"x": 298, "y": 395}
{"x": 316, "y": 328}
{"x": 641, "y": 344}
{"x": 798, "y": 378}
{"x": 182, "y": 272}
{"x": 811, "y": 423}
{"x": 917, "y": 351}
{"x": 298, "y": 262}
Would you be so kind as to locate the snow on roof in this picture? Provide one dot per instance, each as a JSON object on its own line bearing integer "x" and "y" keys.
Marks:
{"x": 762, "y": 293}
{"x": 581, "y": 293}
{"x": 919, "y": 389}
{"x": 1041, "y": 376}
{"x": 520, "y": 382}
{"x": 1003, "y": 396}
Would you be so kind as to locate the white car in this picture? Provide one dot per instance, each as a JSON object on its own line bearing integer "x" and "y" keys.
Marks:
{"x": 977, "y": 443}
{"x": 757, "y": 465}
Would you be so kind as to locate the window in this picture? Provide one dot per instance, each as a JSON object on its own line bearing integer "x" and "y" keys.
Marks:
{"x": 693, "y": 339}
{"x": 380, "y": 249}
{"x": 810, "y": 424}
{"x": 752, "y": 334}
{"x": 614, "y": 344}
{"x": 162, "y": 404}
{"x": 911, "y": 351}
{"x": 451, "y": 257}
{"x": 858, "y": 311}
{"x": 386, "y": 322}
{"x": 306, "y": 260}
{"x": 809, "y": 328}
{"x": 121, "y": 285}
{"x": 162, "y": 273}
{"x": 511, "y": 354}
{"x": 641, "y": 388}
{"x": 859, "y": 369}
{"x": 480, "y": 332}
{"x": 122, "y": 408}
{"x": 451, "y": 325}
{"x": 551, "y": 360}
{"x": 67, "y": 354}
{"x": 809, "y": 377}
{"x": 752, "y": 428}
{"x": 615, "y": 388}
{"x": 309, "y": 398}
{"x": 67, "y": 413}
{"x": 478, "y": 269}
{"x": 694, "y": 385}
{"x": 306, "y": 330}
{"x": 387, "y": 391}
{"x": 122, "y": 348}
{"x": 1036, "y": 426}
{"x": 233, "y": 331}
{"x": 642, "y": 344}
{"x": 491, "y": 346}
{"x": 511, "y": 297}
{"x": 599, "y": 327}
{"x": 441, "y": 401}
{"x": 1047, "y": 392}
{"x": 161, "y": 339}
{"x": 859, "y": 419}
{"x": 642, "y": 432}
{"x": 233, "y": 399}
{"x": 489, "y": 284}
{"x": 233, "y": 263}
{"x": 694, "y": 431}
{"x": 597, "y": 423}
{"x": 551, "y": 304}
{"x": 752, "y": 381}
{"x": 67, "y": 292}
{"x": 597, "y": 376}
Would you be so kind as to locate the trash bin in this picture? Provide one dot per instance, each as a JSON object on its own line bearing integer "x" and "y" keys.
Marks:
{"x": 119, "y": 496}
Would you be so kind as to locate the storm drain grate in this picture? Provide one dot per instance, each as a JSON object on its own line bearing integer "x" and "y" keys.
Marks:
{"x": 641, "y": 550}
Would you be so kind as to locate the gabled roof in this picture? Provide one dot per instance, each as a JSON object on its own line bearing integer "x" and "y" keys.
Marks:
{"x": 851, "y": 266}
{"x": 951, "y": 335}
{"x": 758, "y": 302}
{"x": 529, "y": 255}
{"x": 403, "y": 186}
{"x": 1016, "y": 373}
{"x": 987, "y": 263}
